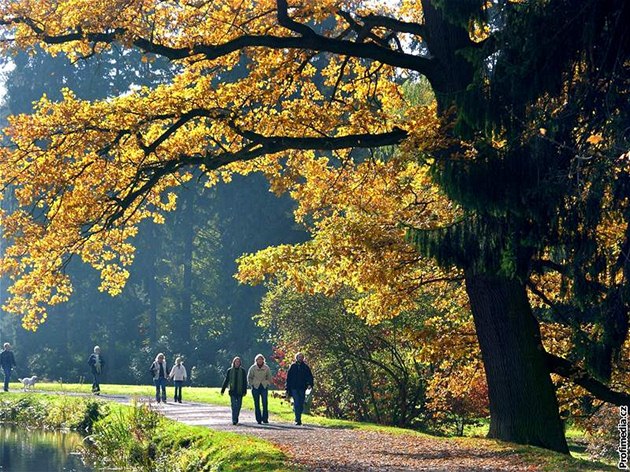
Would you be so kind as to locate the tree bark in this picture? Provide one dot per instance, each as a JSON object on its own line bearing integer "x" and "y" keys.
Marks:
{"x": 523, "y": 404}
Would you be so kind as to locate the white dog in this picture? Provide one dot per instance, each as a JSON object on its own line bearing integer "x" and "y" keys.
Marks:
{"x": 28, "y": 382}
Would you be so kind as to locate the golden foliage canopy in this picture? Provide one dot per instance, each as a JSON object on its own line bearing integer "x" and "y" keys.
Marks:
{"x": 358, "y": 213}
{"x": 83, "y": 174}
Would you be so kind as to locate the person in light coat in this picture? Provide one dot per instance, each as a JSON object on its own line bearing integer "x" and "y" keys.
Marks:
{"x": 179, "y": 376}
{"x": 259, "y": 377}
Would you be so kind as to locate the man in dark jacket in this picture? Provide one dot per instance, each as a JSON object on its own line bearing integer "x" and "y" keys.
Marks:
{"x": 299, "y": 379}
{"x": 7, "y": 361}
{"x": 96, "y": 363}
{"x": 236, "y": 382}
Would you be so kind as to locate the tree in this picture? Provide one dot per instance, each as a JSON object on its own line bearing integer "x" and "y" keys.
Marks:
{"x": 132, "y": 327}
{"x": 368, "y": 373}
{"x": 512, "y": 181}
{"x": 59, "y": 350}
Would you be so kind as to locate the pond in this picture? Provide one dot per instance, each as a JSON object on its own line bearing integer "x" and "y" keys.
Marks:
{"x": 23, "y": 450}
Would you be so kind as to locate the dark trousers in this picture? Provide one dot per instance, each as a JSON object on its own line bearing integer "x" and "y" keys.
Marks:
{"x": 7, "y": 377}
{"x": 96, "y": 387}
{"x": 298, "y": 403}
{"x": 160, "y": 384}
{"x": 178, "y": 390}
{"x": 259, "y": 394}
{"x": 236, "y": 401}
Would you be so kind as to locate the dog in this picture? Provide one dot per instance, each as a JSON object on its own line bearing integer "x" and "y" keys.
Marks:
{"x": 28, "y": 382}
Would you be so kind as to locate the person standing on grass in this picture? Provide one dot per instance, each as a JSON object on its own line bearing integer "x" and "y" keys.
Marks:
{"x": 159, "y": 373}
{"x": 7, "y": 362}
{"x": 96, "y": 363}
{"x": 299, "y": 379}
{"x": 236, "y": 383}
{"x": 259, "y": 378}
{"x": 178, "y": 374}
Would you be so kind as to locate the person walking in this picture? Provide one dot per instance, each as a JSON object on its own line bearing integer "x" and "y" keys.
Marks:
{"x": 96, "y": 363}
{"x": 259, "y": 378}
{"x": 299, "y": 379}
{"x": 7, "y": 361}
{"x": 236, "y": 383}
{"x": 159, "y": 373}
{"x": 179, "y": 376}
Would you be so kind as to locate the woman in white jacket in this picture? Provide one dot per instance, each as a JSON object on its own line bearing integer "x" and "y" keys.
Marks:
{"x": 259, "y": 377}
{"x": 178, "y": 374}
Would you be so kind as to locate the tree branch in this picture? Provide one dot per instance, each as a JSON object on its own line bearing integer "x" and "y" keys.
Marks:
{"x": 285, "y": 20}
{"x": 308, "y": 39}
{"x": 183, "y": 120}
{"x": 581, "y": 377}
{"x": 260, "y": 145}
{"x": 393, "y": 24}
{"x": 362, "y": 31}
{"x": 366, "y": 140}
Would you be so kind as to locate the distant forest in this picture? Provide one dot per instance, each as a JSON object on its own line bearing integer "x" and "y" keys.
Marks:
{"x": 181, "y": 297}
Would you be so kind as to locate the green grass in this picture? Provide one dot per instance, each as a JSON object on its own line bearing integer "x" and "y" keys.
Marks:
{"x": 553, "y": 461}
{"x": 196, "y": 448}
{"x": 478, "y": 430}
{"x": 204, "y": 449}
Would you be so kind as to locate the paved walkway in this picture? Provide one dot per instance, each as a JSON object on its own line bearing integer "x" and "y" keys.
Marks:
{"x": 326, "y": 449}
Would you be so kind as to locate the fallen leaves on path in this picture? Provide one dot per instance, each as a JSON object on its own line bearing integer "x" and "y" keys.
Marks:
{"x": 327, "y": 449}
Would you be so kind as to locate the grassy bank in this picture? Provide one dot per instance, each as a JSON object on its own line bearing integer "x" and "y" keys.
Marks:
{"x": 50, "y": 411}
{"x": 237, "y": 452}
{"x": 135, "y": 438}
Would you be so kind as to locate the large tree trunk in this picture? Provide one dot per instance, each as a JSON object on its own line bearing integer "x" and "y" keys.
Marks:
{"x": 523, "y": 403}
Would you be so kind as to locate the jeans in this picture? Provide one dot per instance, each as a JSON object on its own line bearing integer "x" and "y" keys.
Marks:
{"x": 95, "y": 384}
{"x": 236, "y": 401}
{"x": 260, "y": 393}
{"x": 298, "y": 403}
{"x": 7, "y": 377}
{"x": 178, "y": 390}
{"x": 160, "y": 384}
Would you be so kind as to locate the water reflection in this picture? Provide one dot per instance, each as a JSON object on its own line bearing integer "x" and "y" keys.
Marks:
{"x": 23, "y": 450}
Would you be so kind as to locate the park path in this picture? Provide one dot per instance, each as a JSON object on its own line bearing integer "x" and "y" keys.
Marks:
{"x": 326, "y": 449}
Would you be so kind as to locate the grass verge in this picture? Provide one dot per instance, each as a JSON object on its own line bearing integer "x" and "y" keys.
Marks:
{"x": 135, "y": 438}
